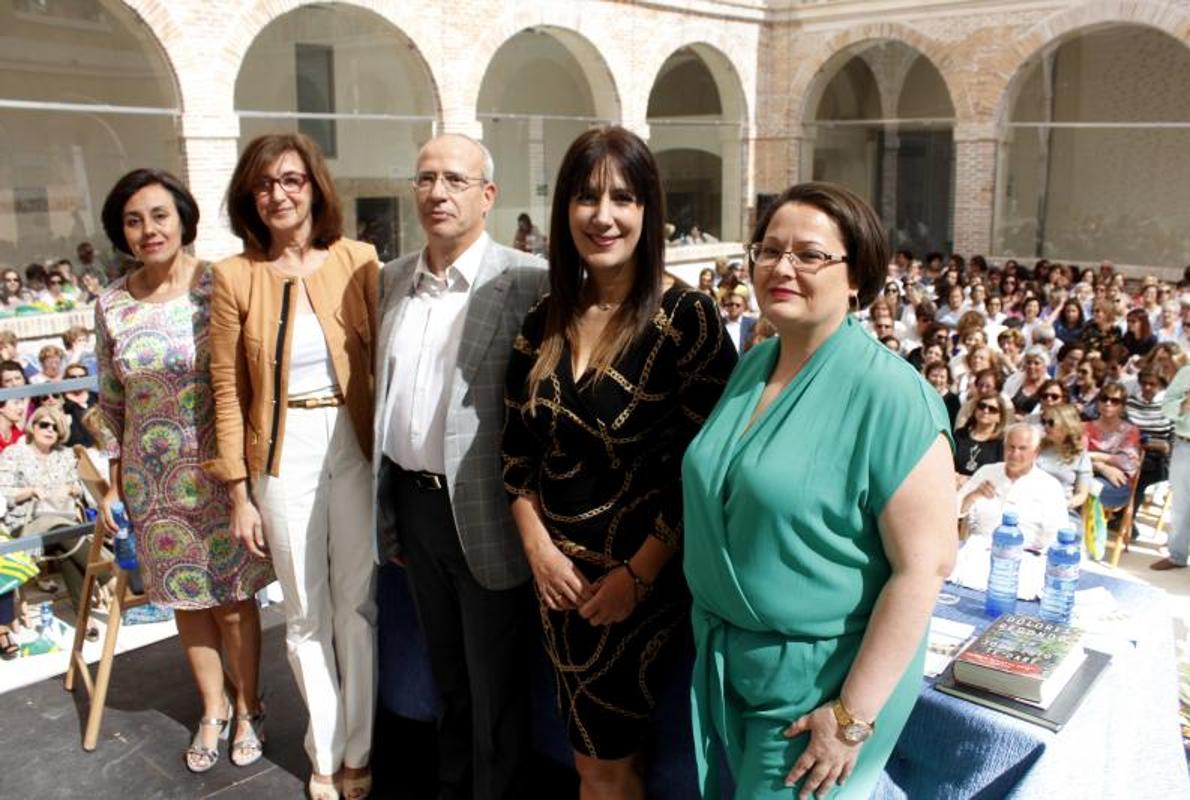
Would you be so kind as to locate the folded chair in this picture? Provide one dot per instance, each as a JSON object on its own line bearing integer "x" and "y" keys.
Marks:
{"x": 99, "y": 562}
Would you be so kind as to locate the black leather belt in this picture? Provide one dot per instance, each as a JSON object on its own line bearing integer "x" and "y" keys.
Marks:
{"x": 425, "y": 481}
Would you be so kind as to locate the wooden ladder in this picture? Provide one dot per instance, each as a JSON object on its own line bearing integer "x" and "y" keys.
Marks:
{"x": 99, "y": 562}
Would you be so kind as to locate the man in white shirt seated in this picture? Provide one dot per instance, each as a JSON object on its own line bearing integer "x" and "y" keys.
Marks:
{"x": 1016, "y": 484}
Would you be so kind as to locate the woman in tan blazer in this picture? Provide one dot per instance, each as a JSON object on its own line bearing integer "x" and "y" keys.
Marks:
{"x": 292, "y": 323}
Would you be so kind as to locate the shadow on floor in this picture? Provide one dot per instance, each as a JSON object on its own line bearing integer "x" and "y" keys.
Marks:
{"x": 152, "y": 707}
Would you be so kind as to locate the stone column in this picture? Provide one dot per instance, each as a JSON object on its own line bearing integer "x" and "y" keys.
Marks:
{"x": 975, "y": 149}
{"x": 209, "y": 153}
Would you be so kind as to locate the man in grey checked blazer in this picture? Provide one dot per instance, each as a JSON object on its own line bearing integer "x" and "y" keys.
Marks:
{"x": 449, "y": 315}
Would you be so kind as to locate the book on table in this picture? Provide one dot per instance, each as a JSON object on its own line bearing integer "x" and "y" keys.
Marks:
{"x": 1052, "y": 717}
{"x": 1023, "y": 657}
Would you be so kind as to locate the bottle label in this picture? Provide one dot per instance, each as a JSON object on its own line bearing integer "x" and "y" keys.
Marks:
{"x": 1063, "y": 572}
{"x": 1010, "y": 553}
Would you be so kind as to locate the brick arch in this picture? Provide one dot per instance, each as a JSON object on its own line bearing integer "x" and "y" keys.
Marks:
{"x": 1170, "y": 18}
{"x": 168, "y": 37}
{"x": 603, "y": 60}
{"x": 813, "y": 75}
{"x": 729, "y": 75}
{"x": 256, "y": 15}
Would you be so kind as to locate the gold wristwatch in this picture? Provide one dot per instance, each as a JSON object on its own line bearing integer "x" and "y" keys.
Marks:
{"x": 851, "y": 730}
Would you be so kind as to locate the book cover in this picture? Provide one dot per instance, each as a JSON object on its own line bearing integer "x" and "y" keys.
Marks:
{"x": 1059, "y": 711}
{"x": 1023, "y": 646}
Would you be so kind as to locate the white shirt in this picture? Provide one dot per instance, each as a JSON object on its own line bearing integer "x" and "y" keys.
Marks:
{"x": 310, "y": 369}
{"x": 733, "y": 332}
{"x": 422, "y": 356}
{"x": 1037, "y": 497}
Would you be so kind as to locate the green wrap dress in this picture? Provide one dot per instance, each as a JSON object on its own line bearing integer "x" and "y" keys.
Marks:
{"x": 783, "y": 553}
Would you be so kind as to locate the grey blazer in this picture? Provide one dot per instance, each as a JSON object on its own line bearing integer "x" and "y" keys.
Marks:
{"x": 508, "y": 283}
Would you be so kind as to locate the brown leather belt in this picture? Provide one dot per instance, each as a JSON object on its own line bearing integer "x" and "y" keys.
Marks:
{"x": 316, "y": 402}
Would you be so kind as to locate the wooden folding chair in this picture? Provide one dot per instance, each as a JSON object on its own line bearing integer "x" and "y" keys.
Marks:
{"x": 1123, "y": 519}
{"x": 98, "y": 562}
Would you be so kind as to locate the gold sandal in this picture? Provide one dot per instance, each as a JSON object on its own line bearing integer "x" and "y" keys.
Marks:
{"x": 357, "y": 788}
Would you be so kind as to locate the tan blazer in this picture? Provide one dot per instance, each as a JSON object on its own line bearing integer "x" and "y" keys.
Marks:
{"x": 252, "y": 308}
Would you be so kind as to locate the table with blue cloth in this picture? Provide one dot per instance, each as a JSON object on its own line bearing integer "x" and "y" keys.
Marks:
{"x": 1123, "y": 741}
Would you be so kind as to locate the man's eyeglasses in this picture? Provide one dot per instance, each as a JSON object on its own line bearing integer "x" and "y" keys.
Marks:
{"x": 291, "y": 183}
{"x": 809, "y": 261}
{"x": 453, "y": 181}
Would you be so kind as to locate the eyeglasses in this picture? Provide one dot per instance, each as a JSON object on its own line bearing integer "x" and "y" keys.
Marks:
{"x": 1049, "y": 423}
{"x": 1052, "y": 396}
{"x": 44, "y": 425}
{"x": 764, "y": 256}
{"x": 55, "y": 281}
{"x": 453, "y": 181}
{"x": 988, "y": 407}
{"x": 1111, "y": 401}
{"x": 291, "y": 183}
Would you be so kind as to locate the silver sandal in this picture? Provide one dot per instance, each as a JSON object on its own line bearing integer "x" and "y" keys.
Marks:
{"x": 248, "y": 750}
{"x": 196, "y": 751}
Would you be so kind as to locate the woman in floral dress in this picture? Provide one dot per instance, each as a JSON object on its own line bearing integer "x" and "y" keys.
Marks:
{"x": 155, "y": 399}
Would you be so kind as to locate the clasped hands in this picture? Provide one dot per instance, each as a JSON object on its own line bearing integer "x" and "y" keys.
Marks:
{"x": 563, "y": 588}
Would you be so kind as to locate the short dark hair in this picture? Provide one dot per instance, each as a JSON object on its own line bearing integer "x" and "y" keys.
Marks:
{"x": 13, "y": 366}
{"x": 325, "y": 211}
{"x": 35, "y": 271}
{"x": 864, "y": 237}
{"x": 113, "y": 206}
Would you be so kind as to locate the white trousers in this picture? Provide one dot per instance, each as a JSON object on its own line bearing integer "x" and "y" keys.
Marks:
{"x": 317, "y": 521}
{"x": 1179, "y": 516}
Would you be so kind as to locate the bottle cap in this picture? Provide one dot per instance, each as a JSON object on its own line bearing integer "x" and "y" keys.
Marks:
{"x": 118, "y": 507}
{"x": 1011, "y": 518}
{"x": 1067, "y": 536}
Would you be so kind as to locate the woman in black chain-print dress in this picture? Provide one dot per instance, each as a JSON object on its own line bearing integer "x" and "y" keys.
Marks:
{"x": 593, "y": 460}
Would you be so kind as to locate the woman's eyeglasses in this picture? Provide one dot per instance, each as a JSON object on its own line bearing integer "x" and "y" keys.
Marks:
{"x": 45, "y": 425}
{"x": 989, "y": 407}
{"x": 1048, "y": 422}
{"x": 291, "y": 183}
{"x": 1051, "y": 396}
{"x": 1111, "y": 401}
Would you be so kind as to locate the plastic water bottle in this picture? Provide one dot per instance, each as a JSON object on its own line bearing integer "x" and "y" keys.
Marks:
{"x": 45, "y": 618}
{"x": 46, "y": 639}
{"x": 125, "y": 545}
{"x": 1008, "y": 545}
{"x": 1061, "y": 578}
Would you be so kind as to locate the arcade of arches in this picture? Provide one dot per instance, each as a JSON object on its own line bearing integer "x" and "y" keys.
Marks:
{"x": 1073, "y": 143}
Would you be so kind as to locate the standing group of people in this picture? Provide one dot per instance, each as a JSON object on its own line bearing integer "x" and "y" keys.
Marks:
{"x": 564, "y": 452}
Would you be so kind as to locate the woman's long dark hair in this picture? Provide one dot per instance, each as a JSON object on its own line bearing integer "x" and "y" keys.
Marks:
{"x": 588, "y": 166}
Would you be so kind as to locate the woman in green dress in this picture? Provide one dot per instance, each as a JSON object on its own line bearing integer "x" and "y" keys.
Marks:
{"x": 820, "y": 521}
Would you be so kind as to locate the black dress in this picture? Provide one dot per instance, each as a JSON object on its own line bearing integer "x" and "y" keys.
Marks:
{"x": 604, "y": 457}
{"x": 970, "y": 455}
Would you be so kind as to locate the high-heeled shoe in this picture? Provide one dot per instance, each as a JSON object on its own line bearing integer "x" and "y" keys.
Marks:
{"x": 322, "y": 791}
{"x": 199, "y": 758}
{"x": 357, "y": 788}
{"x": 247, "y": 750}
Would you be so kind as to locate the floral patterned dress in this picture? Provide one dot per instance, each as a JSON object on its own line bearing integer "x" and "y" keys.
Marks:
{"x": 155, "y": 399}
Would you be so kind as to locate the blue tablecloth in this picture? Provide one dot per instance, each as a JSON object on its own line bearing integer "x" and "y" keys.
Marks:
{"x": 1123, "y": 742}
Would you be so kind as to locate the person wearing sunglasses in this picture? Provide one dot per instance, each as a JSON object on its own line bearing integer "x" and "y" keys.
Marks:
{"x": 42, "y": 473}
{"x": 737, "y": 324}
{"x": 293, "y": 326}
{"x": 12, "y": 289}
{"x": 1114, "y": 445}
{"x": 1064, "y": 454}
{"x": 980, "y": 442}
